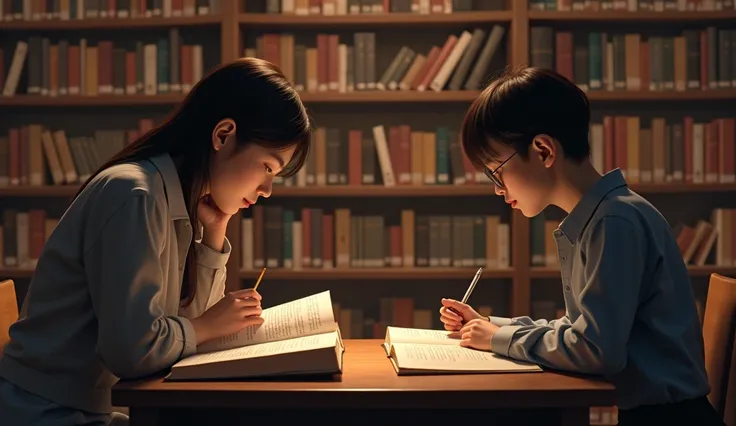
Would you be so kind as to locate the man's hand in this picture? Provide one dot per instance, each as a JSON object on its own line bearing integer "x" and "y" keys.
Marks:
{"x": 476, "y": 334}
{"x": 452, "y": 320}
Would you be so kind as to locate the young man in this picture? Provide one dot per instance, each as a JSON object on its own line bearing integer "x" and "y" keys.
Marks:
{"x": 631, "y": 314}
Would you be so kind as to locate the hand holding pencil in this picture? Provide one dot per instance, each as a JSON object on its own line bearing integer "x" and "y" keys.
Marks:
{"x": 237, "y": 310}
{"x": 454, "y": 314}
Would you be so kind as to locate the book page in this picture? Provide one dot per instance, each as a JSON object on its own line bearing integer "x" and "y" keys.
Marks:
{"x": 454, "y": 358}
{"x": 302, "y": 317}
{"x": 419, "y": 335}
{"x": 298, "y": 344}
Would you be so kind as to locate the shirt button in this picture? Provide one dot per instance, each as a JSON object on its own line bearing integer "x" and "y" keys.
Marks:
{"x": 567, "y": 288}
{"x": 564, "y": 258}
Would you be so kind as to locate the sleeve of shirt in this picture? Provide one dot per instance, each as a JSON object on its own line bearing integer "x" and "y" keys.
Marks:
{"x": 211, "y": 275}
{"x": 126, "y": 280}
{"x": 525, "y": 320}
{"x": 595, "y": 343}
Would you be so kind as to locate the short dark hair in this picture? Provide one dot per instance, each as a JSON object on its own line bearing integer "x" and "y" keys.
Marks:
{"x": 522, "y": 104}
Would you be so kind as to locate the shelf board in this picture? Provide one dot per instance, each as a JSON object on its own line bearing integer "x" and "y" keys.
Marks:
{"x": 392, "y": 96}
{"x": 9, "y": 272}
{"x": 377, "y": 19}
{"x": 646, "y": 95}
{"x": 83, "y": 100}
{"x": 625, "y": 17}
{"x": 382, "y": 191}
{"x": 695, "y": 271}
{"x": 425, "y": 273}
{"x": 368, "y": 96}
{"x": 110, "y": 23}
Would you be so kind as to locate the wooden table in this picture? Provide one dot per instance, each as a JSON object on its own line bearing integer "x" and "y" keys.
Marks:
{"x": 368, "y": 393}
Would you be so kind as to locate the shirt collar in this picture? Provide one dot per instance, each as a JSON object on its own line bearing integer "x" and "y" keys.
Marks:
{"x": 172, "y": 184}
{"x": 572, "y": 226}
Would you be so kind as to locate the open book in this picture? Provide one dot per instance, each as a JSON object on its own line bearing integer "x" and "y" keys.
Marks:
{"x": 300, "y": 337}
{"x": 418, "y": 351}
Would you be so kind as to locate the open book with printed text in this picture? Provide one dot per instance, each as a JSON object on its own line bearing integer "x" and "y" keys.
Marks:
{"x": 299, "y": 337}
{"x": 419, "y": 351}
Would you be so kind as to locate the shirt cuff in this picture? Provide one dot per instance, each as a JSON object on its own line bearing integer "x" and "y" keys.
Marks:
{"x": 210, "y": 258}
{"x": 500, "y": 321}
{"x": 190, "y": 337}
{"x": 501, "y": 340}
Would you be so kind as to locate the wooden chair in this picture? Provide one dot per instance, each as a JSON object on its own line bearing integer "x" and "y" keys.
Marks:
{"x": 719, "y": 335}
{"x": 8, "y": 310}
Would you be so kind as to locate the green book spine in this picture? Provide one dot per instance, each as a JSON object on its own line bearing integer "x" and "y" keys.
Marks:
{"x": 595, "y": 61}
{"x": 162, "y": 68}
{"x": 442, "y": 156}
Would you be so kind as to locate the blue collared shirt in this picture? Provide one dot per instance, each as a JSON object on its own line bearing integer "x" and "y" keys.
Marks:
{"x": 631, "y": 314}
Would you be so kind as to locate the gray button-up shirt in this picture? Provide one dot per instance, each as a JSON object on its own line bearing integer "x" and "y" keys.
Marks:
{"x": 631, "y": 314}
{"x": 104, "y": 302}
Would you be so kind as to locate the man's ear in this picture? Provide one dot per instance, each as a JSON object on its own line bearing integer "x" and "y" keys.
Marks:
{"x": 545, "y": 149}
{"x": 222, "y": 133}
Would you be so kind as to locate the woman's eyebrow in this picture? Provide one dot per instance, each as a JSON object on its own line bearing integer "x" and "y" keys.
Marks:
{"x": 278, "y": 159}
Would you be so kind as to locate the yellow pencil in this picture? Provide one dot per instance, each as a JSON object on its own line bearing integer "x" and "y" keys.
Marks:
{"x": 259, "y": 279}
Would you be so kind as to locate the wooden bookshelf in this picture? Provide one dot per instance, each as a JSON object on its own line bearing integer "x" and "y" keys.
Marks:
{"x": 111, "y": 23}
{"x": 414, "y": 96}
{"x": 90, "y": 101}
{"x": 234, "y": 22}
{"x": 379, "y": 191}
{"x": 416, "y": 273}
{"x": 611, "y": 16}
{"x": 365, "y": 97}
{"x": 646, "y": 95}
{"x": 374, "y": 19}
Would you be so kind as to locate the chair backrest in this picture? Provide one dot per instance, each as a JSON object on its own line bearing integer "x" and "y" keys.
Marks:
{"x": 719, "y": 335}
{"x": 8, "y": 310}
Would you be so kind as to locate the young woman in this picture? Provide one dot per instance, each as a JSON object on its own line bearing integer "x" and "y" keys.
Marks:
{"x": 125, "y": 286}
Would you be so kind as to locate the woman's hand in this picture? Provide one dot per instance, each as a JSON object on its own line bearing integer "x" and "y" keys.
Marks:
{"x": 234, "y": 312}
{"x": 210, "y": 215}
{"x": 214, "y": 223}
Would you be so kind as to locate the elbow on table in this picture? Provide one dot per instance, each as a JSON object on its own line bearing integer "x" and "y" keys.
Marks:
{"x": 131, "y": 364}
{"x": 604, "y": 364}
{"x": 134, "y": 356}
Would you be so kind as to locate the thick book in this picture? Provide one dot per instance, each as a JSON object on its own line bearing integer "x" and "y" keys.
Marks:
{"x": 414, "y": 351}
{"x": 299, "y": 337}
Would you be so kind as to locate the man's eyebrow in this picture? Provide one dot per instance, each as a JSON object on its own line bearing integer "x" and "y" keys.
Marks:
{"x": 278, "y": 159}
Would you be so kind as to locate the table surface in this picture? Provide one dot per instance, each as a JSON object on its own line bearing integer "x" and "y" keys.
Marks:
{"x": 369, "y": 381}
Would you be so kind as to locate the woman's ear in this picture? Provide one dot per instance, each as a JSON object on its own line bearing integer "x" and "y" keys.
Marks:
{"x": 545, "y": 149}
{"x": 222, "y": 133}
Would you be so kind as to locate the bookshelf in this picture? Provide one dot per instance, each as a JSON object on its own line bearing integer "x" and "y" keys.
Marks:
{"x": 235, "y": 20}
{"x": 228, "y": 28}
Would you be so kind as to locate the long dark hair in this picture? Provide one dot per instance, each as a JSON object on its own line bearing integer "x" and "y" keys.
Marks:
{"x": 266, "y": 109}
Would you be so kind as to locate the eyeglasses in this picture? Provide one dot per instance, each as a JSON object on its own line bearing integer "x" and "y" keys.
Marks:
{"x": 491, "y": 174}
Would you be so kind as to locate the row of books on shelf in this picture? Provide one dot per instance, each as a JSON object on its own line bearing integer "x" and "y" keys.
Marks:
{"x": 633, "y": 5}
{"x": 80, "y": 9}
{"x": 660, "y": 151}
{"x": 35, "y": 155}
{"x": 694, "y": 60}
{"x": 354, "y": 7}
{"x": 331, "y": 64}
{"x": 278, "y": 237}
{"x": 663, "y": 150}
{"x": 710, "y": 242}
{"x": 23, "y": 235}
{"x": 60, "y": 69}
{"x": 398, "y": 155}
